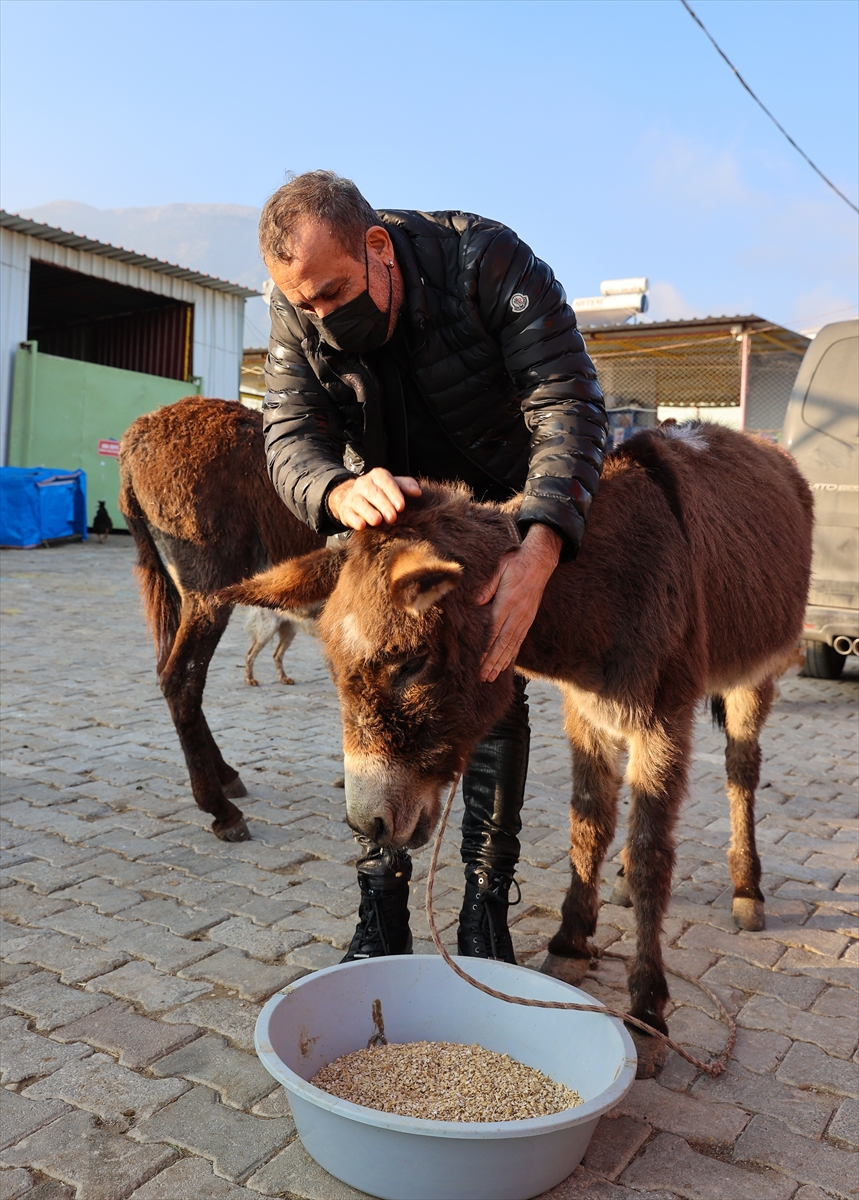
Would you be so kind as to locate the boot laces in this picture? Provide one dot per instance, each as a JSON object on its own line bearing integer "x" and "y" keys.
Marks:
{"x": 488, "y": 895}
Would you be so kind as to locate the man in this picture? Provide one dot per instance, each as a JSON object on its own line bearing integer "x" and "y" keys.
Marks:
{"x": 409, "y": 344}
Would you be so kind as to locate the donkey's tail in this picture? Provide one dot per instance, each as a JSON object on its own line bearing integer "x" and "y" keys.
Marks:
{"x": 161, "y": 601}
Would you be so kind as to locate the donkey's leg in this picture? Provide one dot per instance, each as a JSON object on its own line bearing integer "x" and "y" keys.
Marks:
{"x": 746, "y": 709}
{"x": 285, "y": 638}
{"x": 657, "y": 775}
{"x": 183, "y": 679}
{"x": 593, "y": 814}
{"x": 228, "y": 776}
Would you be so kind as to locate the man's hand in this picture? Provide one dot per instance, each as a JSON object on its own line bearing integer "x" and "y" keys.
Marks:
{"x": 371, "y": 499}
{"x": 517, "y": 587}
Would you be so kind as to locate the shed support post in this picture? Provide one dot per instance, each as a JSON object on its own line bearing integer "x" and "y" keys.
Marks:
{"x": 744, "y": 376}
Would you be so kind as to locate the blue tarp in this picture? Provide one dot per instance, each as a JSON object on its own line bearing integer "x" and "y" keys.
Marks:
{"x": 39, "y": 504}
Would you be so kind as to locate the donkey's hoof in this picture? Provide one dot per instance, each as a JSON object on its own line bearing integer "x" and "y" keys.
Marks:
{"x": 237, "y": 832}
{"x": 234, "y": 791}
{"x": 569, "y": 970}
{"x": 651, "y": 1052}
{"x": 620, "y": 894}
{"x": 748, "y": 913}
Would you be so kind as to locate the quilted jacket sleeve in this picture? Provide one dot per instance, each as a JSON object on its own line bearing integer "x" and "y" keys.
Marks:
{"x": 524, "y": 307}
{"x": 304, "y": 441}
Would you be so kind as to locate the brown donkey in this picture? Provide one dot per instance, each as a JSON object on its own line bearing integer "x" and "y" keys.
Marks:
{"x": 691, "y": 582}
{"x": 198, "y": 501}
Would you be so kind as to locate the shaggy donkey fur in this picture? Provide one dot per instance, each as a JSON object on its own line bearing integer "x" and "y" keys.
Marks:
{"x": 198, "y": 501}
{"x": 691, "y": 582}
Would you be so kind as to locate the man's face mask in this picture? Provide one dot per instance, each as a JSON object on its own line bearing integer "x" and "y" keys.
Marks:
{"x": 357, "y": 326}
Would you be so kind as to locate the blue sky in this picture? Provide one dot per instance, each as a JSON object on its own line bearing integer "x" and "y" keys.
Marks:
{"x": 608, "y": 133}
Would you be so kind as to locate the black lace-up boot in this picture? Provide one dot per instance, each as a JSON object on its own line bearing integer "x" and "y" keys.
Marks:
{"x": 493, "y": 789}
{"x": 383, "y": 914}
{"x": 483, "y": 931}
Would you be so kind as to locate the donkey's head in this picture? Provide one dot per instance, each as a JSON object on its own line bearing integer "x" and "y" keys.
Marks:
{"x": 404, "y": 640}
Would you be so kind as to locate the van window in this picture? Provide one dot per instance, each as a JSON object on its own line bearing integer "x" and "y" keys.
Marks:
{"x": 830, "y": 403}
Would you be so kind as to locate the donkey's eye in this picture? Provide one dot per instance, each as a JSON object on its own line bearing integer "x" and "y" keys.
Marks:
{"x": 411, "y": 666}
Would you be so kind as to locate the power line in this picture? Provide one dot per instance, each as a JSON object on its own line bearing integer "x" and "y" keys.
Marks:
{"x": 761, "y": 104}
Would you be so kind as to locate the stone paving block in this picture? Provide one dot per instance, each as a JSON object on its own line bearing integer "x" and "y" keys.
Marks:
{"x": 337, "y": 901}
{"x": 192, "y": 891}
{"x": 103, "y": 896}
{"x": 123, "y": 842}
{"x": 313, "y": 844}
{"x": 196, "y": 865}
{"x": 252, "y": 979}
{"x": 112, "y": 1092}
{"x": 615, "y": 1142}
{"x": 798, "y": 991}
{"x": 60, "y": 853}
{"x": 46, "y": 879}
{"x": 28, "y": 1055}
{"x": 315, "y": 956}
{"x": 710, "y": 1124}
{"x": 751, "y": 947}
{"x": 190, "y": 1179}
{"x": 769, "y": 1143}
{"x": 841, "y": 972}
{"x": 294, "y": 1173}
{"x": 836, "y": 1035}
{"x": 805, "y": 1112}
{"x": 160, "y": 947}
{"x": 584, "y": 1185}
{"x": 20, "y": 1116}
{"x": 837, "y": 1002}
{"x": 86, "y": 925}
{"x": 262, "y": 910}
{"x": 75, "y": 962}
{"x": 120, "y": 871}
{"x": 239, "y": 1078}
{"x": 15, "y": 1183}
{"x": 102, "y": 1165}
{"x": 670, "y": 1164}
{"x": 235, "y": 1142}
{"x": 247, "y": 875}
{"x": 48, "y": 1002}
{"x": 807, "y": 1066}
{"x": 691, "y": 1027}
{"x": 151, "y": 989}
{"x": 242, "y": 934}
{"x": 235, "y": 1019}
{"x": 844, "y": 1130}
{"x": 808, "y": 937}
{"x": 334, "y": 874}
{"x": 20, "y": 903}
{"x": 138, "y": 1041}
{"x": 184, "y": 922}
{"x": 275, "y": 1104}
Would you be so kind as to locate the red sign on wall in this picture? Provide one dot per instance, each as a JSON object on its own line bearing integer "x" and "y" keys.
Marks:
{"x": 108, "y": 446}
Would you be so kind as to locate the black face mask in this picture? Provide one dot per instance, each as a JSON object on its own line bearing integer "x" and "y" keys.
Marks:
{"x": 357, "y": 326}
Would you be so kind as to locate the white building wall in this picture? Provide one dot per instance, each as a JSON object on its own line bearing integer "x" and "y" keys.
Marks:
{"x": 218, "y": 316}
{"x": 14, "y": 299}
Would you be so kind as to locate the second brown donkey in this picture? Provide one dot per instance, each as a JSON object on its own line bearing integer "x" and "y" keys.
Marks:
{"x": 691, "y": 582}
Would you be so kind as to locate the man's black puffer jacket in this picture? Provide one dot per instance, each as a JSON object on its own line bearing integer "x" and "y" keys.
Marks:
{"x": 511, "y": 384}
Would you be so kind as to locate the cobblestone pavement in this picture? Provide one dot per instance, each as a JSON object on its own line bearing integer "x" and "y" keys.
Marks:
{"x": 138, "y": 949}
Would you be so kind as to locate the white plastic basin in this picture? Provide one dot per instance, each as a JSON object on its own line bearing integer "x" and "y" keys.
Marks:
{"x": 329, "y": 1013}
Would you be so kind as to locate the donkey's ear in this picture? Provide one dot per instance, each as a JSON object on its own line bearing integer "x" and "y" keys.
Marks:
{"x": 297, "y": 583}
{"x": 418, "y": 578}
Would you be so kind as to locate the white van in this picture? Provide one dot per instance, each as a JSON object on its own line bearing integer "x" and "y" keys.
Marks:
{"x": 821, "y": 431}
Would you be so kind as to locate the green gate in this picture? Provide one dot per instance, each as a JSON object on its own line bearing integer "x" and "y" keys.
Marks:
{"x": 68, "y": 414}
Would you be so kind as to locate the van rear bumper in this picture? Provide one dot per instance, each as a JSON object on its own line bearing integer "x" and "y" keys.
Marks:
{"x": 826, "y": 624}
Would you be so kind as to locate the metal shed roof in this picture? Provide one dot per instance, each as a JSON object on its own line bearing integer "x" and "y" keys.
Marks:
{"x": 61, "y": 237}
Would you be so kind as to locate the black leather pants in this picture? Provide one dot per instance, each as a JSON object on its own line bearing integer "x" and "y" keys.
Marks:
{"x": 493, "y": 788}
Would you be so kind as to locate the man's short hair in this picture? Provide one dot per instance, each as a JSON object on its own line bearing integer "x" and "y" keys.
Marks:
{"x": 317, "y": 196}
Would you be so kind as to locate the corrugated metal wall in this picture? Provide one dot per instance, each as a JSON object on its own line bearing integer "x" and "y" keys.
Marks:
{"x": 157, "y": 342}
{"x": 218, "y": 317}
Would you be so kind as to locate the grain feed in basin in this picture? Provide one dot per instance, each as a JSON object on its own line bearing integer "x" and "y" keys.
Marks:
{"x": 444, "y": 1081}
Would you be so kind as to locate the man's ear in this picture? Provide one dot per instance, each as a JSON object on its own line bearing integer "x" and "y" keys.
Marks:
{"x": 418, "y": 578}
{"x": 296, "y": 583}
